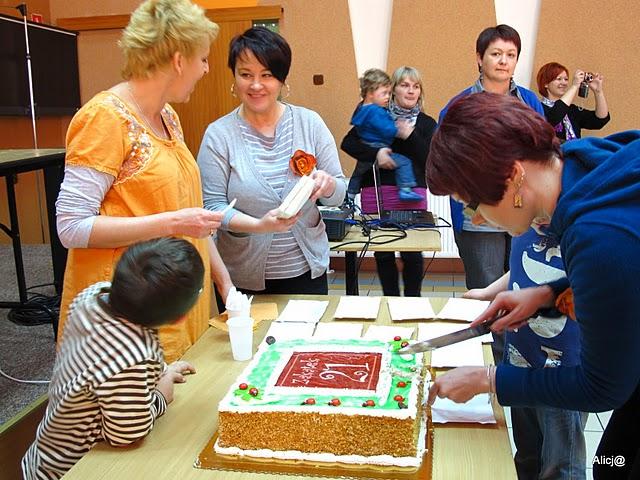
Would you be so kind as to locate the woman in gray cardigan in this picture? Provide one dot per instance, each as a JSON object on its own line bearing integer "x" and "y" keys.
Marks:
{"x": 245, "y": 156}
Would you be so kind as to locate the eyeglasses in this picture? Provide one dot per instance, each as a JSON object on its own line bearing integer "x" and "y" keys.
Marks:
{"x": 470, "y": 209}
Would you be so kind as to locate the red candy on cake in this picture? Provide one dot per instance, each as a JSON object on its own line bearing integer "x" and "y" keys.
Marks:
{"x": 243, "y": 386}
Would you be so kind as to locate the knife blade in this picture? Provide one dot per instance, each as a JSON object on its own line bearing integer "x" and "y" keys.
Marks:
{"x": 450, "y": 338}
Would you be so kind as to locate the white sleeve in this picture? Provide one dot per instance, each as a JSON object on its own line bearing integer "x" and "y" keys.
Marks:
{"x": 81, "y": 194}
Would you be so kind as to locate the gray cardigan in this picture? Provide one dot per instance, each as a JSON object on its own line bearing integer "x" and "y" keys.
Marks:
{"x": 228, "y": 172}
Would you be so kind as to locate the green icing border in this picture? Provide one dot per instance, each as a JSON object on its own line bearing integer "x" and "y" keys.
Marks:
{"x": 270, "y": 355}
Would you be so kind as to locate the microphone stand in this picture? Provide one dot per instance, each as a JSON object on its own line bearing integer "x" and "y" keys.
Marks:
{"x": 22, "y": 8}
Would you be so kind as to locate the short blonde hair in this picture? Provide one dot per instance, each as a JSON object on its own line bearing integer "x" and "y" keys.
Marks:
{"x": 157, "y": 30}
{"x": 372, "y": 79}
{"x": 412, "y": 74}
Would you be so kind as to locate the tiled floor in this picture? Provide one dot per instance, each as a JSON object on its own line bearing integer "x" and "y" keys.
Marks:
{"x": 447, "y": 285}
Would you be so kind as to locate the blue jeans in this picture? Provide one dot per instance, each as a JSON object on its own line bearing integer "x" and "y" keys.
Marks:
{"x": 550, "y": 443}
{"x": 405, "y": 177}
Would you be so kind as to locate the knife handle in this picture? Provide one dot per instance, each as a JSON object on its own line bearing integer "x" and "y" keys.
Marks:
{"x": 485, "y": 327}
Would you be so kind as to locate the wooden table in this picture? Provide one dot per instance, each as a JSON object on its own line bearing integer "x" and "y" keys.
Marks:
{"x": 51, "y": 161}
{"x": 462, "y": 451}
{"x": 423, "y": 240}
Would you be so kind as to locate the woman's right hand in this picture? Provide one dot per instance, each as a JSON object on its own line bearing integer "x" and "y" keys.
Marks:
{"x": 519, "y": 306}
{"x": 195, "y": 222}
{"x": 578, "y": 78}
{"x": 271, "y": 223}
{"x": 383, "y": 157}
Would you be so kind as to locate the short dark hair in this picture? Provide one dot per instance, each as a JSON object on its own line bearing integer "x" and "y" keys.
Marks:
{"x": 474, "y": 149}
{"x": 156, "y": 282}
{"x": 491, "y": 34}
{"x": 271, "y": 50}
{"x": 547, "y": 74}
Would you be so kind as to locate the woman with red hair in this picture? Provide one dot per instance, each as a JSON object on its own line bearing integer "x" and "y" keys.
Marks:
{"x": 513, "y": 173}
{"x": 557, "y": 101}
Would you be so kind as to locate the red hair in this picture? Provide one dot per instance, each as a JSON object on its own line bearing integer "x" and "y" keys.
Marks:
{"x": 547, "y": 74}
{"x": 475, "y": 147}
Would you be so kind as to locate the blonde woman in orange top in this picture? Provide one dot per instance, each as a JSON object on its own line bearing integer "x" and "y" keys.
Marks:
{"x": 129, "y": 175}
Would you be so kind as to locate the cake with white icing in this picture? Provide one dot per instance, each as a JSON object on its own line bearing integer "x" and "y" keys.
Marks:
{"x": 349, "y": 401}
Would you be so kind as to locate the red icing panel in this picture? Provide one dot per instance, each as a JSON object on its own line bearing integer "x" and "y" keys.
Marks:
{"x": 349, "y": 370}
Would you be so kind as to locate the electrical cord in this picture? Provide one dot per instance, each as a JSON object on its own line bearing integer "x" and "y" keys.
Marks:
{"x": 368, "y": 224}
{"x": 19, "y": 380}
{"x": 39, "y": 309}
{"x": 426, "y": 269}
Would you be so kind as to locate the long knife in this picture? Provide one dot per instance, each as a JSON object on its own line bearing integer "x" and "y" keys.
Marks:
{"x": 450, "y": 338}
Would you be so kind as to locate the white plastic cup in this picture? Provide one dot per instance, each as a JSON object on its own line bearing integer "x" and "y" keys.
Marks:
{"x": 242, "y": 312}
{"x": 241, "y": 336}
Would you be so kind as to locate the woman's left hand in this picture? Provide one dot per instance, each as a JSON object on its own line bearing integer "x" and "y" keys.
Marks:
{"x": 596, "y": 83}
{"x": 325, "y": 185}
{"x": 460, "y": 384}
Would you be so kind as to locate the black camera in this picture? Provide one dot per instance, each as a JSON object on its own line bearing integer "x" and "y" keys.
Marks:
{"x": 583, "y": 89}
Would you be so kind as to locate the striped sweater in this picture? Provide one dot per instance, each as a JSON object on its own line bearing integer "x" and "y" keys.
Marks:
{"x": 103, "y": 388}
{"x": 271, "y": 156}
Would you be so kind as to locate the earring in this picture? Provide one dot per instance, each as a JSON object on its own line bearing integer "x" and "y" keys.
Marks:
{"x": 233, "y": 90}
{"x": 287, "y": 92}
{"x": 517, "y": 197}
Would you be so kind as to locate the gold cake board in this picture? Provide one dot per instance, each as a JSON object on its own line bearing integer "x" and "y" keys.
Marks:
{"x": 209, "y": 459}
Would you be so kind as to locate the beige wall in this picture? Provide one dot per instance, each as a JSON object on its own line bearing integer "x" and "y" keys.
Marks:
{"x": 599, "y": 37}
{"x": 436, "y": 37}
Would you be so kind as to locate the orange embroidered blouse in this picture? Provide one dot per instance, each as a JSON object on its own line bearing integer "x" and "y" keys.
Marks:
{"x": 152, "y": 175}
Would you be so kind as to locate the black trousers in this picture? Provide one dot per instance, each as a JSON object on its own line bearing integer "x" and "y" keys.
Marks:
{"x": 620, "y": 443}
{"x": 412, "y": 271}
{"x": 303, "y": 285}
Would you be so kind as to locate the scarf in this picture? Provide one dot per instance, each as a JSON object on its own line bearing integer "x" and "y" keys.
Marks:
{"x": 409, "y": 114}
{"x": 568, "y": 128}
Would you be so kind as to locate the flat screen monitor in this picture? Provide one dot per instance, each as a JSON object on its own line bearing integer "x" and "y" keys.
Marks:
{"x": 54, "y": 65}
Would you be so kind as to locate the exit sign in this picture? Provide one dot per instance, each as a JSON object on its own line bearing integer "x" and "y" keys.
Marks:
{"x": 36, "y": 17}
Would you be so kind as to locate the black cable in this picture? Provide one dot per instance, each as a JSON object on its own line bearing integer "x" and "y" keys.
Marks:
{"x": 51, "y": 284}
{"x": 424, "y": 274}
{"x": 37, "y": 310}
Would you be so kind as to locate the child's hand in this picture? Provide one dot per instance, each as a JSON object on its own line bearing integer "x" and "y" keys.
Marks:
{"x": 384, "y": 159}
{"x": 165, "y": 384}
{"x": 182, "y": 367}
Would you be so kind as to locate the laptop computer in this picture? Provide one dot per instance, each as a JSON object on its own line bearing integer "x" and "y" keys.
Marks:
{"x": 396, "y": 213}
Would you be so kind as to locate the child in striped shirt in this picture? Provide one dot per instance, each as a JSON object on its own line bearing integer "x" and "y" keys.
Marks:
{"x": 110, "y": 381}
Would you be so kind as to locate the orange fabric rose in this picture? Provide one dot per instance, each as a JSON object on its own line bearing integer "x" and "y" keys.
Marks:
{"x": 564, "y": 303}
{"x": 302, "y": 163}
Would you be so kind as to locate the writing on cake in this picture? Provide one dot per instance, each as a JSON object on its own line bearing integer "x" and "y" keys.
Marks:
{"x": 345, "y": 370}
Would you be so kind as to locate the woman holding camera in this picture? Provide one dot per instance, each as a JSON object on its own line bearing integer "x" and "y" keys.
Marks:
{"x": 558, "y": 95}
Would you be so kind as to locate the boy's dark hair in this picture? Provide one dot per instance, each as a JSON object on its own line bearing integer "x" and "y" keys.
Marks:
{"x": 156, "y": 282}
{"x": 271, "y": 50}
{"x": 491, "y": 34}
